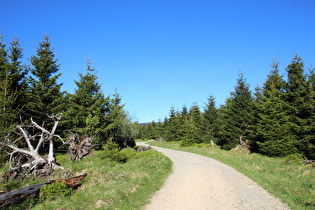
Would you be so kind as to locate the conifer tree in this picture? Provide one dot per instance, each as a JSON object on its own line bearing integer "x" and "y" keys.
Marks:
{"x": 171, "y": 126}
{"x": 6, "y": 99}
{"x": 210, "y": 121}
{"x": 44, "y": 91}
{"x": 18, "y": 73}
{"x": 311, "y": 120}
{"x": 192, "y": 127}
{"x": 273, "y": 127}
{"x": 182, "y": 119}
{"x": 119, "y": 128}
{"x": 88, "y": 106}
{"x": 235, "y": 115}
{"x": 299, "y": 101}
{"x": 12, "y": 84}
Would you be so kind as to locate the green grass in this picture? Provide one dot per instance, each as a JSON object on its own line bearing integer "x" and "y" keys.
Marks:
{"x": 291, "y": 181}
{"x": 113, "y": 185}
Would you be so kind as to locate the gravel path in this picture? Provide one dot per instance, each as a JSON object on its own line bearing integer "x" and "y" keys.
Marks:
{"x": 199, "y": 183}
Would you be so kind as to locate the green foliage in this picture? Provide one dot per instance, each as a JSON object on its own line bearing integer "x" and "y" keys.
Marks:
{"x": 119, "y": 127}
{"x": 111, "y": 152}
{"x": 26, "y": 204}
{"x": 210, "y": 126}
{"x": 124, "y": 155}
{"x": 12, "y": 84}
{"x": 235, "y": 115}
{"x": 88, "y": 107}
{"x": 54, "y": 191}
{"x": 45, "y": 95}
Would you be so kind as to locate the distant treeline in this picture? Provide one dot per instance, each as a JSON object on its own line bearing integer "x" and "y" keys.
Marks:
{"x": 277, "y": 119}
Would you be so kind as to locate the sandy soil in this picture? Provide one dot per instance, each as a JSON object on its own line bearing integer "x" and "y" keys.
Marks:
{"x": 199, "y": 182}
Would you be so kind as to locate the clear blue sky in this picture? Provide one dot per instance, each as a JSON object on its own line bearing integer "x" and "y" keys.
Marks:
{"x": 164, "y": 53}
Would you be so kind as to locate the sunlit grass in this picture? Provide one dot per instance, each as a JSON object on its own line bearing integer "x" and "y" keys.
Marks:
{"x": 292, "y": 182}
{"x": 113, "y": 185}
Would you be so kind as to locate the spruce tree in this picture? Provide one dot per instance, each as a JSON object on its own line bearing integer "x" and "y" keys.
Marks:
{"x": 12, "y": 84}
{"x": 311, "y": 120}
{"x": 273, "y": 127}
{"x": 119, "y": 128}
{"x": 7, "y": 99}
{"x": 210, "y": 121}
{"x": 235, "y": 115}
{"x": 192, "y": 127}
{"x": 171, "y": 126}
{"x": 18, "y": 73}
{"x": 299, "y": 101}
{"x": 44, "y": 90}
{"x": 88, "y": 107}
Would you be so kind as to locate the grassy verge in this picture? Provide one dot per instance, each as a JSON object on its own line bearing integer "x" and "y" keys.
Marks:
{"x": 286, "y": 178}
{"x": 113, "y": 185}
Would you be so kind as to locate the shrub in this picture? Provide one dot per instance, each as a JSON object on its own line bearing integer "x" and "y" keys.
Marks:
{"x": 54, "y": 191}
{"x": 124, "y": 155}
{"x": 109, "y": 151}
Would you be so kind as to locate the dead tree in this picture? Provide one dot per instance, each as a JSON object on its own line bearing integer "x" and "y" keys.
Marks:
{"x": 79, "y": 146}
{"x": 244, "y": 143}
{"x": 24, "y": 142}
{"x": 18, "y": 196}
{"x": 143, "y": 148}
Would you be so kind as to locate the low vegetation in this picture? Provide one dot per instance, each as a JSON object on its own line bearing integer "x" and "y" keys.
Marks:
{"x": 287, "y": 178}
{"x": 127, "y": 182}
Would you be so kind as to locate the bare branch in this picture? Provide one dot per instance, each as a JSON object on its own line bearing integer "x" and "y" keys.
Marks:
{"x": 26, "y": 137}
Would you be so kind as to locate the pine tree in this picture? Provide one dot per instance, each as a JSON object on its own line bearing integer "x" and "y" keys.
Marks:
{"x": 235, "y": 115}
{"x": 44, "y": 91}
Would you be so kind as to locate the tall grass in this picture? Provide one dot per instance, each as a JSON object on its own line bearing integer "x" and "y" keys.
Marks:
{"x": 286, "y": 178}
{"x": 113, "y": 185}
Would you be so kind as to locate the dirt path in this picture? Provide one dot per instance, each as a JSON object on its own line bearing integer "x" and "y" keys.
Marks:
{"x": 199, "y": 183}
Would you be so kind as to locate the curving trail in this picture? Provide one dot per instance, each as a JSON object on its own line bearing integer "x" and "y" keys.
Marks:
{"x": 199, "y": 183}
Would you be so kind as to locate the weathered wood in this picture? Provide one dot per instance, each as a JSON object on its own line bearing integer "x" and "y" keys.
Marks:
{"x": 79, "y": 146}
{"x": 143, "y": 148}
{"x": 17, "y": 196}
{"x": 29, "y": 135}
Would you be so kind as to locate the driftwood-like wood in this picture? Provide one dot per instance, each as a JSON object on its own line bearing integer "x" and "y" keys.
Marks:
{"x": 17, "y": 196}
{"x": 143, "y": 148}
{"x": 23, "y": 143}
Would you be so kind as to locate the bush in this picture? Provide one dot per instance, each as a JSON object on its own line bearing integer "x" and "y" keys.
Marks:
{"x": 187, "y": 142}
{"x": 124, "y": 155}
{"x": 54, "y": 191}
{"x": 111, "y": 152}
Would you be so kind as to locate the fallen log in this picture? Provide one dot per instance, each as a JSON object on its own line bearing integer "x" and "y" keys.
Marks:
{"x": 18, "y": 196}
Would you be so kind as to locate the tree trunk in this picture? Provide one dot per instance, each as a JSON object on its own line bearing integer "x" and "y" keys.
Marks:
{"x": 20, "y": 195}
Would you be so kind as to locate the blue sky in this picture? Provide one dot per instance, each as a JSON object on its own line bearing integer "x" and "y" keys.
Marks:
{"x": 165, "y": 53}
